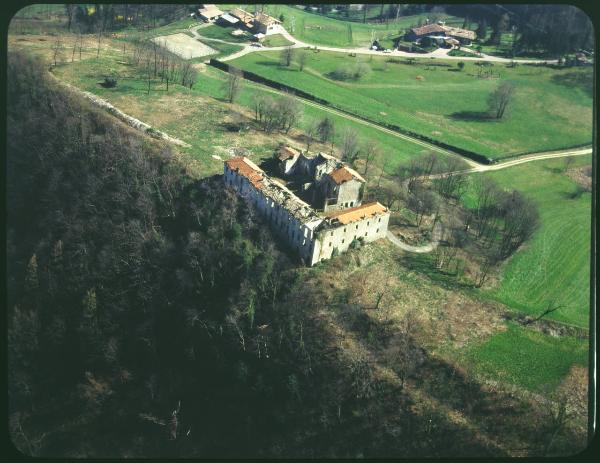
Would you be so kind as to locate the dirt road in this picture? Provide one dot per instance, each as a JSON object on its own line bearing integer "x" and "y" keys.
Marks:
{"x": 438, "y": 53}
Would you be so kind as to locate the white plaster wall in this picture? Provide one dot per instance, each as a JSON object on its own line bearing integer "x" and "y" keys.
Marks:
{"x": 310, "y": 246}
{"x": 369, "y": 229}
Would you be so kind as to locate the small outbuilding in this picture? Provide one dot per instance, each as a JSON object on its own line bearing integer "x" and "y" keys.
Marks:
{"x": 265, "y": 24}
{"x": 228, "y": 20}
{"x": 209, "y": 13}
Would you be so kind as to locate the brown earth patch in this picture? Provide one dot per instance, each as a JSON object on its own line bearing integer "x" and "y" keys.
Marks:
{"x": 582, "y": 176}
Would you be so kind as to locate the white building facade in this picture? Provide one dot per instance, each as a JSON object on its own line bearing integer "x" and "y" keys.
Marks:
{"x": 311, "y": 236}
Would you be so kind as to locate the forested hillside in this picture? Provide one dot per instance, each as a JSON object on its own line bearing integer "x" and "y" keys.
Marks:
{"x": 151, "y": 314}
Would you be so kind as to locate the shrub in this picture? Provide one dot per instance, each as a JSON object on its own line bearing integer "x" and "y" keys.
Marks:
{"x": 109, "y": 82}
{"x": 351, "y": 71}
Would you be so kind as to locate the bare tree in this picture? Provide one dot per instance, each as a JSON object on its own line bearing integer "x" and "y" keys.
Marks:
{"x": 312, "y": 129}
{"x": 421, "y": 201}
{"x": 288, "y": 112}
{"x": 326, "y": 129}
{"x": 287, "y": 55}
{"x": 569, "y": 161}
{"x": 70, "y": 10}
{"x": 57, "y": 49}
{"x": 405, "y": 351}
{"x": 499, "y": 100}
{"x": 302, "y": 57}
{"x": 99, "y": 42}
{"x": 521, "y": 218}
{"x": 349, "y": 145}
{"x": 370, "y": 150}
{"x": 233, "y": 84}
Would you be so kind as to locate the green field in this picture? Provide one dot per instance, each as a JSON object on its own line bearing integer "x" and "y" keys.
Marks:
{"x": 195, "y": 125}
{"x": 223, "y": 33}
{"x": 321, "y": 30}
{"x": 527, "y": 358}
{"x": 551, "y": 108}
{"x": 276, "y": 40}
{"x": 554, "y": 265}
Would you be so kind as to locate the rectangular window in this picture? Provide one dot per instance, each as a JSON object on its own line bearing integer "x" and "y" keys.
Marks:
{"x": 343, "y": 241}
{"x": 379, "y": 219}
{"x": 344, "y": 229}
{"x": 357, "y": 226}
{"x": 366, "y": 233}
{"x": 330, "y": 244}
{"x": 378, "y": 230}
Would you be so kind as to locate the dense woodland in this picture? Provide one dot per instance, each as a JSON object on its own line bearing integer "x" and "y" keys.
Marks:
{"x": 149, "y": 314}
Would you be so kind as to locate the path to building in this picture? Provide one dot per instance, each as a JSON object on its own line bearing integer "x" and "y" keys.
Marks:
{"x": 436, "y": 236}
{"x": 438, "y": 53}
{"x": 514, "y": 162}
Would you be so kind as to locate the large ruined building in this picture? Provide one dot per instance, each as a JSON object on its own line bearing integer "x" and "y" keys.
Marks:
{"x": 314, "y": 232}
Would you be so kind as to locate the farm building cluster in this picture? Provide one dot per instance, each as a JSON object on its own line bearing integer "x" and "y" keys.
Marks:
{"x": 441, "y": 34}
{"x": 316, "y": 208}
{"x": 259, "y": 24}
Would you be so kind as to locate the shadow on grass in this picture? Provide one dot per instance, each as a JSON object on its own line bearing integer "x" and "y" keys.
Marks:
{"x": 473, "y": 116}
{"x": 277, "y": 65}
{"x": 423, "y": 264}
{"x": 582, "y": 80}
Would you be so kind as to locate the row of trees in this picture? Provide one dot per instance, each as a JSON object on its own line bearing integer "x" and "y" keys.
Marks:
{"x": 108, "y": 17}
{"x": 493, "y": 229}
{"x": 156, "y": 61}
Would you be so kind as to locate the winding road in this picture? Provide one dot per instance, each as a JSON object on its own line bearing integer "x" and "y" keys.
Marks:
{"x": 436, "y": 236}
{"x": 438, "y": 53}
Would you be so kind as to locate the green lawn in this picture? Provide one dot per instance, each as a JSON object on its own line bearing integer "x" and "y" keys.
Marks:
{"x": 528, "y": 358}
{"x": 554, "y": 265}
{"x": 196, "y": 126}
{"x": 551, "y": 108}
{"x": 223, "y": 33}
{"x": 276, "y": 40}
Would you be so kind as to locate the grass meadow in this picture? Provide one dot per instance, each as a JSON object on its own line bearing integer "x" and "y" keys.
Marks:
{"x": 551, "y": 108}
{"x": 527, "y": 358}
{"x": 317, "y": 29}
{"x": 553, "y": 267}
{"x": 190, "y": 115}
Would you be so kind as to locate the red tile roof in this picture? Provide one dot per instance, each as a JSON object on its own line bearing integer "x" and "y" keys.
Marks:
{"x": 248, "y": 169}
{"x": 287, "y": 152}
{"x": 427, "y": 29}
{"x": 354, "y": 214}
{"x": 265, "y": 19}
{"x": 345, "y": 174}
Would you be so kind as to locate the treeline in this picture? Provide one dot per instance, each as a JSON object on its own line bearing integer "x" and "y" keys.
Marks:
{"x": 555, "y": 29}
{"x": 151, "y": 315}
{"x": 109, "y": 17}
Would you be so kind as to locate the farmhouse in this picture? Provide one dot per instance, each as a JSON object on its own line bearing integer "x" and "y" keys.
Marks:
{"x": 417, "y": 33}
{"x": 209, "y": 13}
{"x": 431, "y": 31}
{"x": 265, "y": 24}
{"x": 313, "y": 237}
{"x": 243, "y": 16}
{"x": 464, "y": 36}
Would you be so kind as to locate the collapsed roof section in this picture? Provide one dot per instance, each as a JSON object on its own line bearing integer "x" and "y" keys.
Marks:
{"x": 274, "y": 190}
